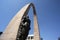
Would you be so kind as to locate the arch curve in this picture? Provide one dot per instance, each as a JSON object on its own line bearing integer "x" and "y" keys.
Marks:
{"x": 12, "y": 28}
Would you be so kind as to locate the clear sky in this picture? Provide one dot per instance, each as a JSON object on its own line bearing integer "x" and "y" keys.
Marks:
{"x": 48, "y": 12}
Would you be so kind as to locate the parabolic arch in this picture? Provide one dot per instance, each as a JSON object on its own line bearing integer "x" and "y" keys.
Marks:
{"x": 12, "y": 28}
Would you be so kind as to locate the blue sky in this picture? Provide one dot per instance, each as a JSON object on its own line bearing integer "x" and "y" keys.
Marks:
{"x": 48, "y": 13}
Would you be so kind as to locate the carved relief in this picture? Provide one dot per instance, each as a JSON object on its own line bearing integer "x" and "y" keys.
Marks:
{"x": 23, "y": 28}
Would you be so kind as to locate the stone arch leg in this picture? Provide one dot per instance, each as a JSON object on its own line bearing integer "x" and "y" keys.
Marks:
{"x": 12, "y": 28}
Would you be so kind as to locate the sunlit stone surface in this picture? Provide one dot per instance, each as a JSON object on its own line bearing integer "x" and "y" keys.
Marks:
{"x": 12, "y": 29}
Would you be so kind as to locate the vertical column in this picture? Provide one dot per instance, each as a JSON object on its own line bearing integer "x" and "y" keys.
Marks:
{"x": 36, "y": 30}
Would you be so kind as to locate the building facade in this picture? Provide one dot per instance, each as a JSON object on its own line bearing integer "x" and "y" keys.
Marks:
{"x": 31, "y": 37}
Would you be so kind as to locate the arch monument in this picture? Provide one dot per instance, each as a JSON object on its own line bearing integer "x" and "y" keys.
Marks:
{"x": 12, "y": 29}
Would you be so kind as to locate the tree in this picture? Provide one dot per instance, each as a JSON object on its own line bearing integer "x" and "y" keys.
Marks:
{"x": 59, "y": 38}
{"x": 0, "y": 33}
